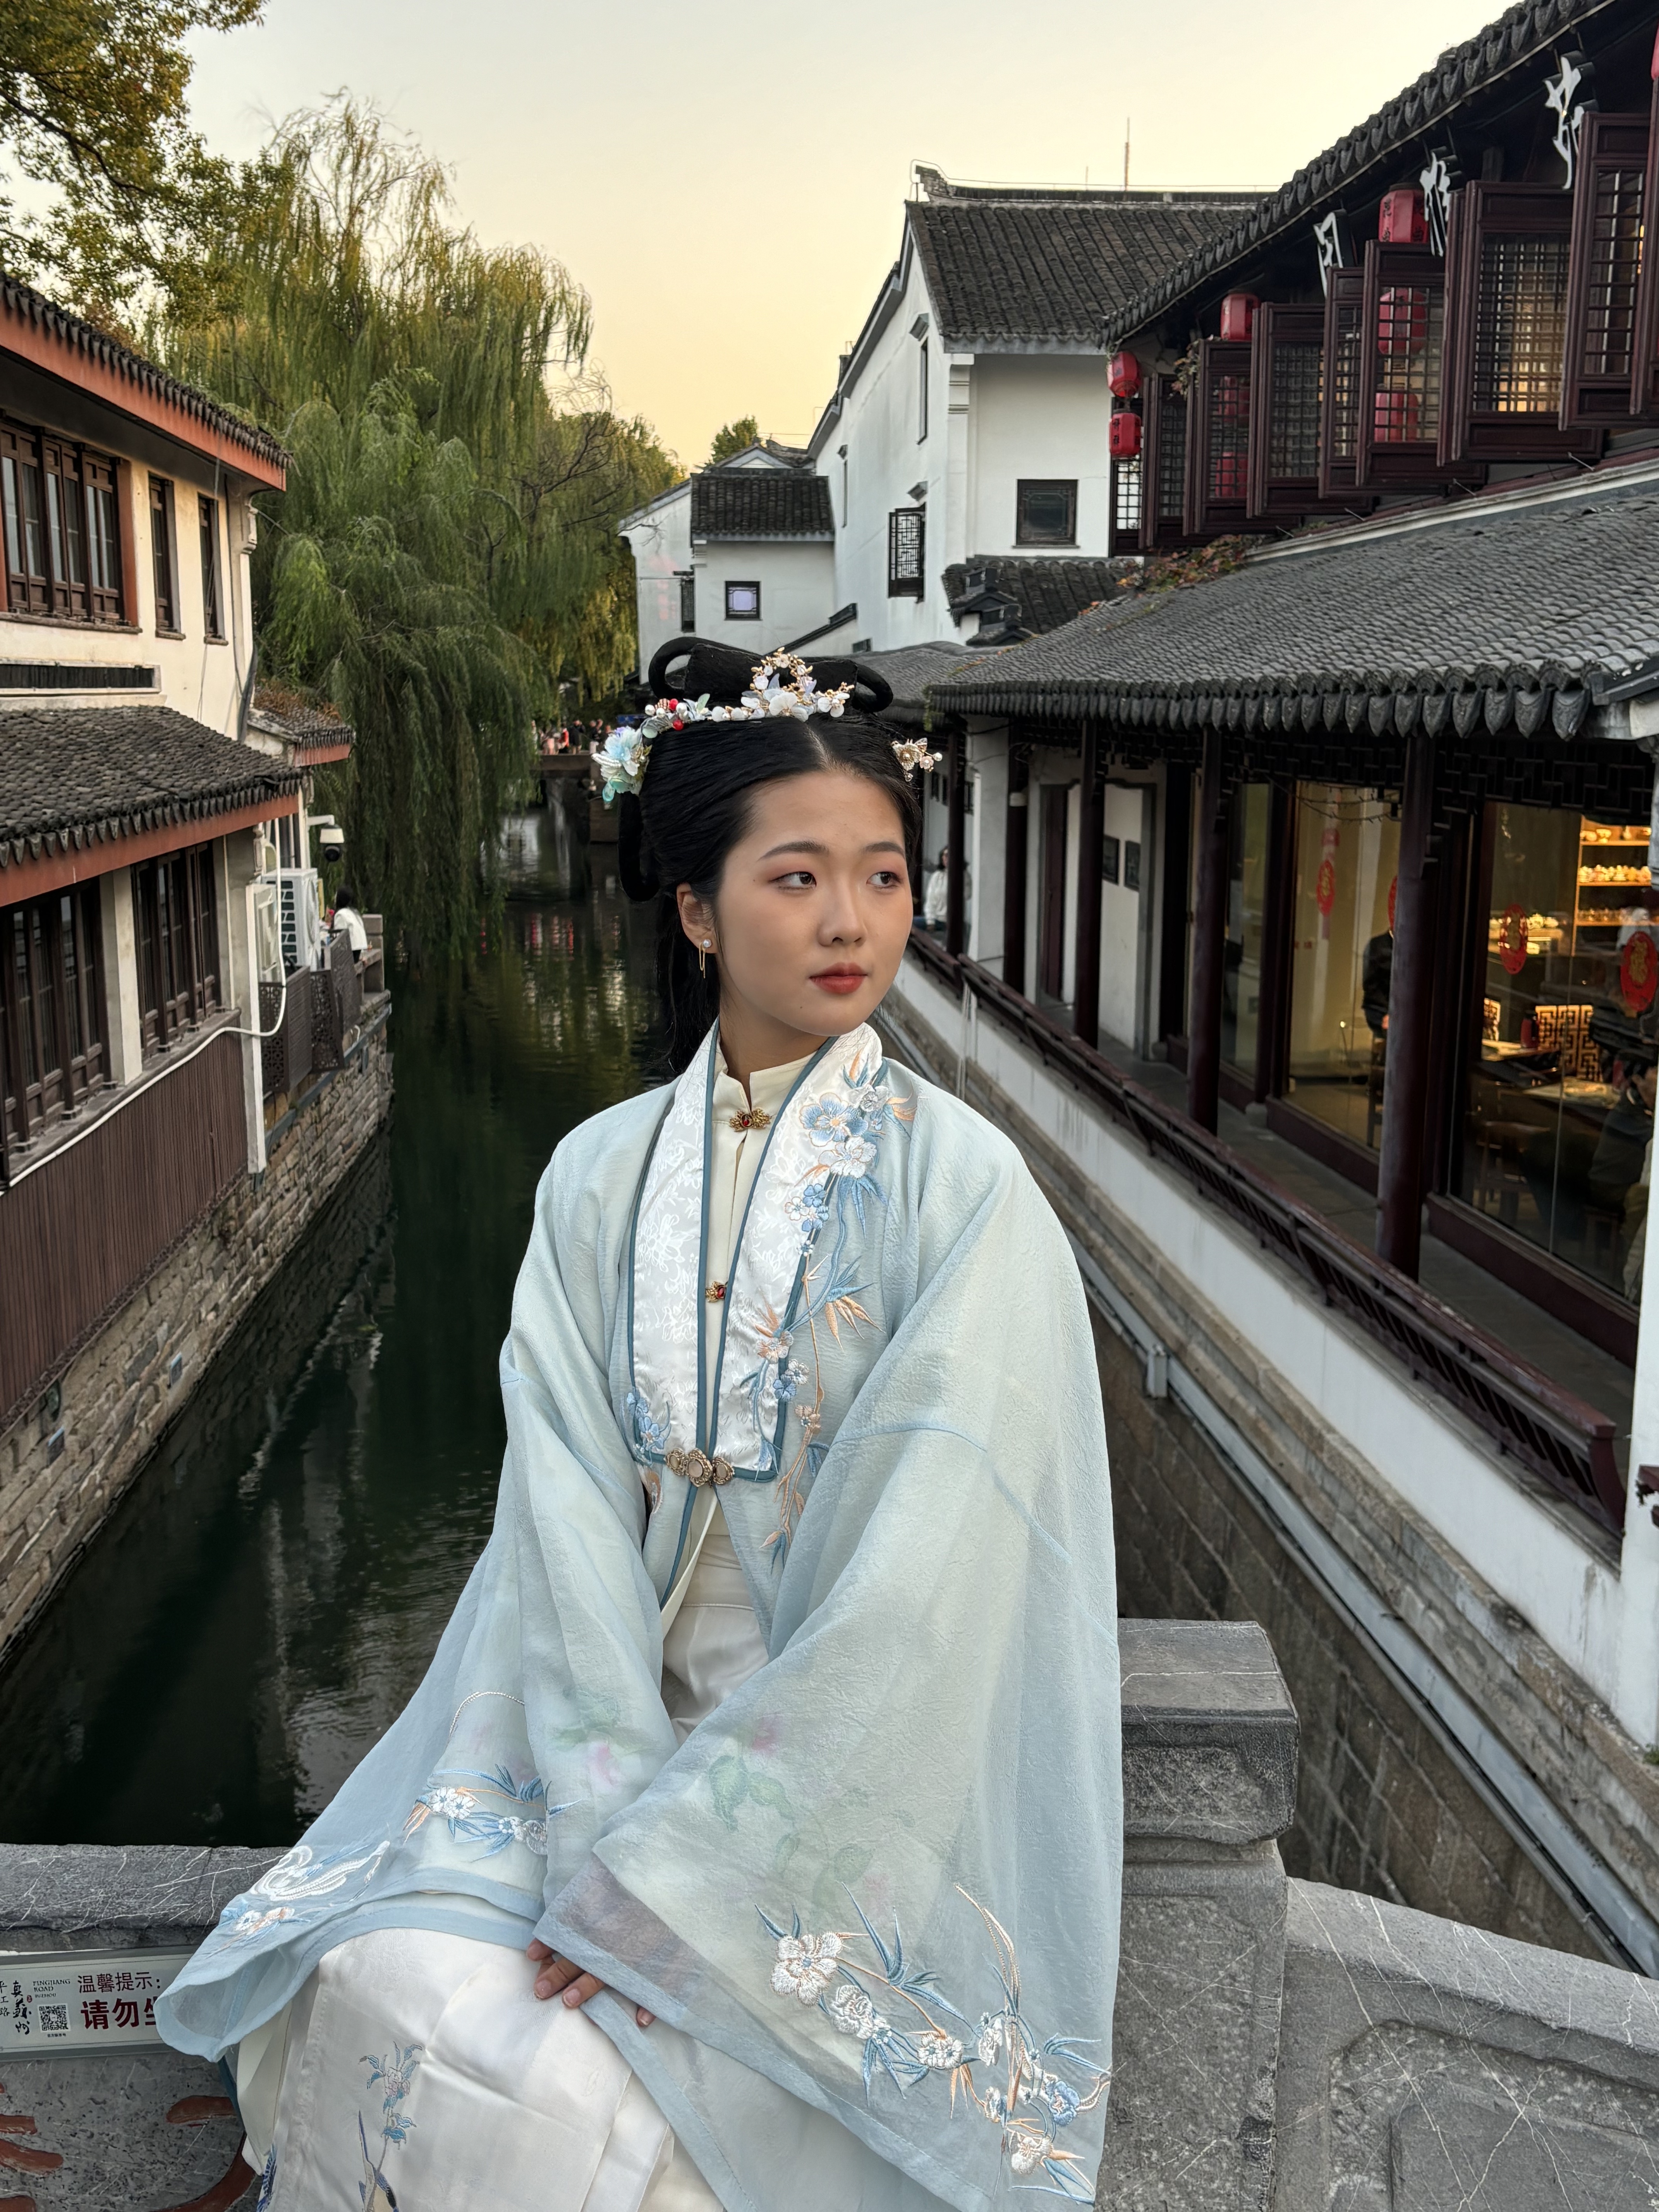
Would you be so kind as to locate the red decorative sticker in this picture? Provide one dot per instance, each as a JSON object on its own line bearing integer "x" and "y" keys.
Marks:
{"x": 1325, "y": 887}
{"x": 1638, "y": 972}
{"x": 1393, "y": 894}
{"x": 1512, "y": 938}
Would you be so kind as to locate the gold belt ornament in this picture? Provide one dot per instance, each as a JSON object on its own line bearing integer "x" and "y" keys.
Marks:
{"x": 698, "y": 1468}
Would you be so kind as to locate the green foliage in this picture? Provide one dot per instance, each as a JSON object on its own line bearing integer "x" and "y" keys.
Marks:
{"x": 444, "y": 566}
{"x": 93, "y": 108}
{"x": 735, "y": 438}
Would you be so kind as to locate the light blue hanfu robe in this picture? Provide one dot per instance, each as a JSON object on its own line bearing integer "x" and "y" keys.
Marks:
{"x": 872, "y": 1899}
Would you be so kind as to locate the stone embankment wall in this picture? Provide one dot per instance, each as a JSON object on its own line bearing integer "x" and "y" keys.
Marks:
{"x": 60, "y": 1476}
{"x": 1278, "y": 2045}
{"x": 1389, "y": 1802}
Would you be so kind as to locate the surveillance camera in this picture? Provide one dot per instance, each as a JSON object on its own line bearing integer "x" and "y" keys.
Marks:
{"x": 333, "y": 842}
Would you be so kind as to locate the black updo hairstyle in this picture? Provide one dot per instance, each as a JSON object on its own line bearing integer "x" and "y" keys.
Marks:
{"x": 695, "y": 804}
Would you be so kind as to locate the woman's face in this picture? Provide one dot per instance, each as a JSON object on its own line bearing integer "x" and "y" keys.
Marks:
{"x": 813, "y": 911}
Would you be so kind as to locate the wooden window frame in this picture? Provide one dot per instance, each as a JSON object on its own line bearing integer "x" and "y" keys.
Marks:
{"x": 1607, "y": 143}
{"x": 1162, "y": 529}
{"x": 1211, "y": 512}
{"x": 52, "y": 1041}
{"x": 177, "y": 913}
{"x": 907, "y": 553}
{"x": 687, "y": 585}
{"x": 1344, "y": 335}
{"x": 213, "y": 593}
{"x": 1126, "y": 537}
{"x": 1482, "y": 213}
{"x": 1024, "y": 486}
{"x": 78, "y": 506}
{"x": 741, "y": 584}
{"x": 1644, "y": 371}
{"x": 164, "y": 558}
{"x": 1383, "y": 464}
{"x": 1281, "y": 498}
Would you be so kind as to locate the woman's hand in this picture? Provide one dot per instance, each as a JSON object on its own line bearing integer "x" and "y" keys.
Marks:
{"x": 565, "y": 1974}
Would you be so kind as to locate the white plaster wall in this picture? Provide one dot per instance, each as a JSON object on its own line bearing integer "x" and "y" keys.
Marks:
{"x": 988, "y": 766}
{"x": 659, "y": 538}
{"x": 1122, "y": 982}
{"x": 1074, "y": 852}
{"x": 1438, "y": 1464}
{"x": 798, "y": 586}
{"x": 199, "y": 675}
{"x": 1037, "y": 415}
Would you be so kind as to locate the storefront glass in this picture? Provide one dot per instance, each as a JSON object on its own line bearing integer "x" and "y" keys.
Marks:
{"x": 1561, "y": 1087}
{"x": 1247, "y": 895}
{"x": 1347, "y": 853}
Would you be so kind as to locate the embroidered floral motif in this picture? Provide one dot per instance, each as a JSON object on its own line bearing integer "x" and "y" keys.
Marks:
{"x": 469, "y": 1820}
{"x": 393, "y": 2077}
{"x": 1032, "y": 2101}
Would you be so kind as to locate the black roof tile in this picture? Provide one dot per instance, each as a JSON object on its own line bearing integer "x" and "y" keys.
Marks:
{"x": 75, "y": 777}
{"x": 760, "y": 503}
{"x": 1048, "y": 592}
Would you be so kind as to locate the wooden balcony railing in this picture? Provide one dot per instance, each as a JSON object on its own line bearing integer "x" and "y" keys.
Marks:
{"x": 1530, "y": 1418}
{"x": 80, "y": 1231}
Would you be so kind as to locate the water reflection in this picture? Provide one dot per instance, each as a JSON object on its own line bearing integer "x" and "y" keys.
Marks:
{"x": 267, "y": 1595}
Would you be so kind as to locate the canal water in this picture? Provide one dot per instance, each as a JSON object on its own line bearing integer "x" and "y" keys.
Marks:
{"x": 267, "y": 1593}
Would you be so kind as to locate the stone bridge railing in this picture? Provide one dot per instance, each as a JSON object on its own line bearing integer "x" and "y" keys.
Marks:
{"x": 1280, "y": 2047}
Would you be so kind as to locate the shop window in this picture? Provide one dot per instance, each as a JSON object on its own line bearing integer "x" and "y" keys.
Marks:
{"x": 742, "y": 602}
{"x": 1345, "y": 320}
{"x": 1248, "y": 835}
{"x": 61, "y": 528}
{"x": 1163, "y": 466}
{"x": 907, "y": 544}
{"x": 1507, "y": 255}
{"x": 1219, "y": 440}
{"x": 177, "y": 944}
{"x": 1561, "y": 1071}
{"x": 52, "y": 1019}
{"x": 1606, "y": 262}
{"x": 1347, "y": 854}
{"x": 1045, "y": 511}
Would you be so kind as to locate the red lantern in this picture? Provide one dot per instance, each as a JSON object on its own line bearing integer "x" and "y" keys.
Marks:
{"x": 1398, "y": 420}
{"x": 1401, "y": 219}
{"x": 1123, "y": 376}
{"x": 1402, "y": 321}
{"x": 1511, "y": 934}
{"x": 1638, "y": 972}
{"x": 1232, "y": 398}
{"x": 1238, "y": 316}
{"x": 1123, "y": 436}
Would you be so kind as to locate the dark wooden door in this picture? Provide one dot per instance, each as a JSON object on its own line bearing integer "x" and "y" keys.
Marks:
{"x": 1051, "y": 926}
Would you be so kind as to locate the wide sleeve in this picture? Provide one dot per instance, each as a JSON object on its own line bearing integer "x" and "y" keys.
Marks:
{"x": 883, "y": 1878}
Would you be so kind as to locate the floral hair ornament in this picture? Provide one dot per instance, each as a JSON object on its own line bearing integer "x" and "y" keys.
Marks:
{"x": 623, "y": 757}
{"x": 913, "y": 754}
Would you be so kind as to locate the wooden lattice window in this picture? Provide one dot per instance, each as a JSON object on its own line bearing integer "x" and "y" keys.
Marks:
{"x": 1402, "y": 340}
{"x": 1507, "y": 249}
{"x": 1219, "y": 440}
{"x": 1645, "y": 374}
{"x": 1287, "y": 379}
{"x": 1126, "y": 499}
{"x": 1609, "y": 199}
{"x": 907, "y": 550}
{"x": 60, "y": 524}
{"x": 52, "y": 1014}
{"x": 177, "y": 944}
{"x": 164, "y": 566}
{"x": 1163, "y": 466}
{"x": 1338, "y": 429}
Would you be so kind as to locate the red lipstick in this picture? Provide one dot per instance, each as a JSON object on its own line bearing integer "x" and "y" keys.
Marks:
{"x": 841, "y": 982}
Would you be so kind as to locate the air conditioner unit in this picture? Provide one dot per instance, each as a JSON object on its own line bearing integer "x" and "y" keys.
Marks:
{"x": 301, "y": 917}
{"x": 267, "y": 935}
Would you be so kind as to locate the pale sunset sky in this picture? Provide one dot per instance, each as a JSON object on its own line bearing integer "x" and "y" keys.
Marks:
{"x": 726, "y": 177}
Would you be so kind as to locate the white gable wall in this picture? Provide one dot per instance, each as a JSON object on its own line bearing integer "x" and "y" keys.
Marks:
{"x": 1037, "y": 415}
{"x": 798, "y": 586}
{"x": 659, "y": 538}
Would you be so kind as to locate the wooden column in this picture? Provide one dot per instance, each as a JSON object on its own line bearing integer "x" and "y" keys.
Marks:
{"x": 1092, "y": 828}
{"x": 1013, "y": 869}
{"x": 1270, "y": 1015}
{"x": 956, "y": 864}
{"x": 1176, "y": 879}
{"x": 1209, "y": 942}
{"x": 1411, "y": 1001}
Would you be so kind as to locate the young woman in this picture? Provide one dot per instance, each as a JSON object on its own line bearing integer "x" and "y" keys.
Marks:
{"x": 779, "y": 1720}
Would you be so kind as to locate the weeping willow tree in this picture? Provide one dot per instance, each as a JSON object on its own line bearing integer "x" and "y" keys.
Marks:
{"x": 443, "y": 567}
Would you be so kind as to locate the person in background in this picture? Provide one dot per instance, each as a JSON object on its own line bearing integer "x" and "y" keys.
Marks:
{"x": 346, "y": 921}
{"x": 936, "y": 897}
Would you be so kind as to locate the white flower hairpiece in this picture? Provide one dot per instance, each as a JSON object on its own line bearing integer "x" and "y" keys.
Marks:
{"x": 623, "y": 757}
{"x": 625, "y": 754}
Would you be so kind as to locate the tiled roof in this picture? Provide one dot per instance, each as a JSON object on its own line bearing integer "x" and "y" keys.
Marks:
{"x": 1048, "y": 592}
{"x": 1006, "y": 266}
{"x": 76, "y": 776}
{"x": 1516, "y": 610}
{"x": 760, "y": 503}
{"x": 909, "y": 669}
{"x": 1525, "y": 34}
{"x": 96, "y": 345}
